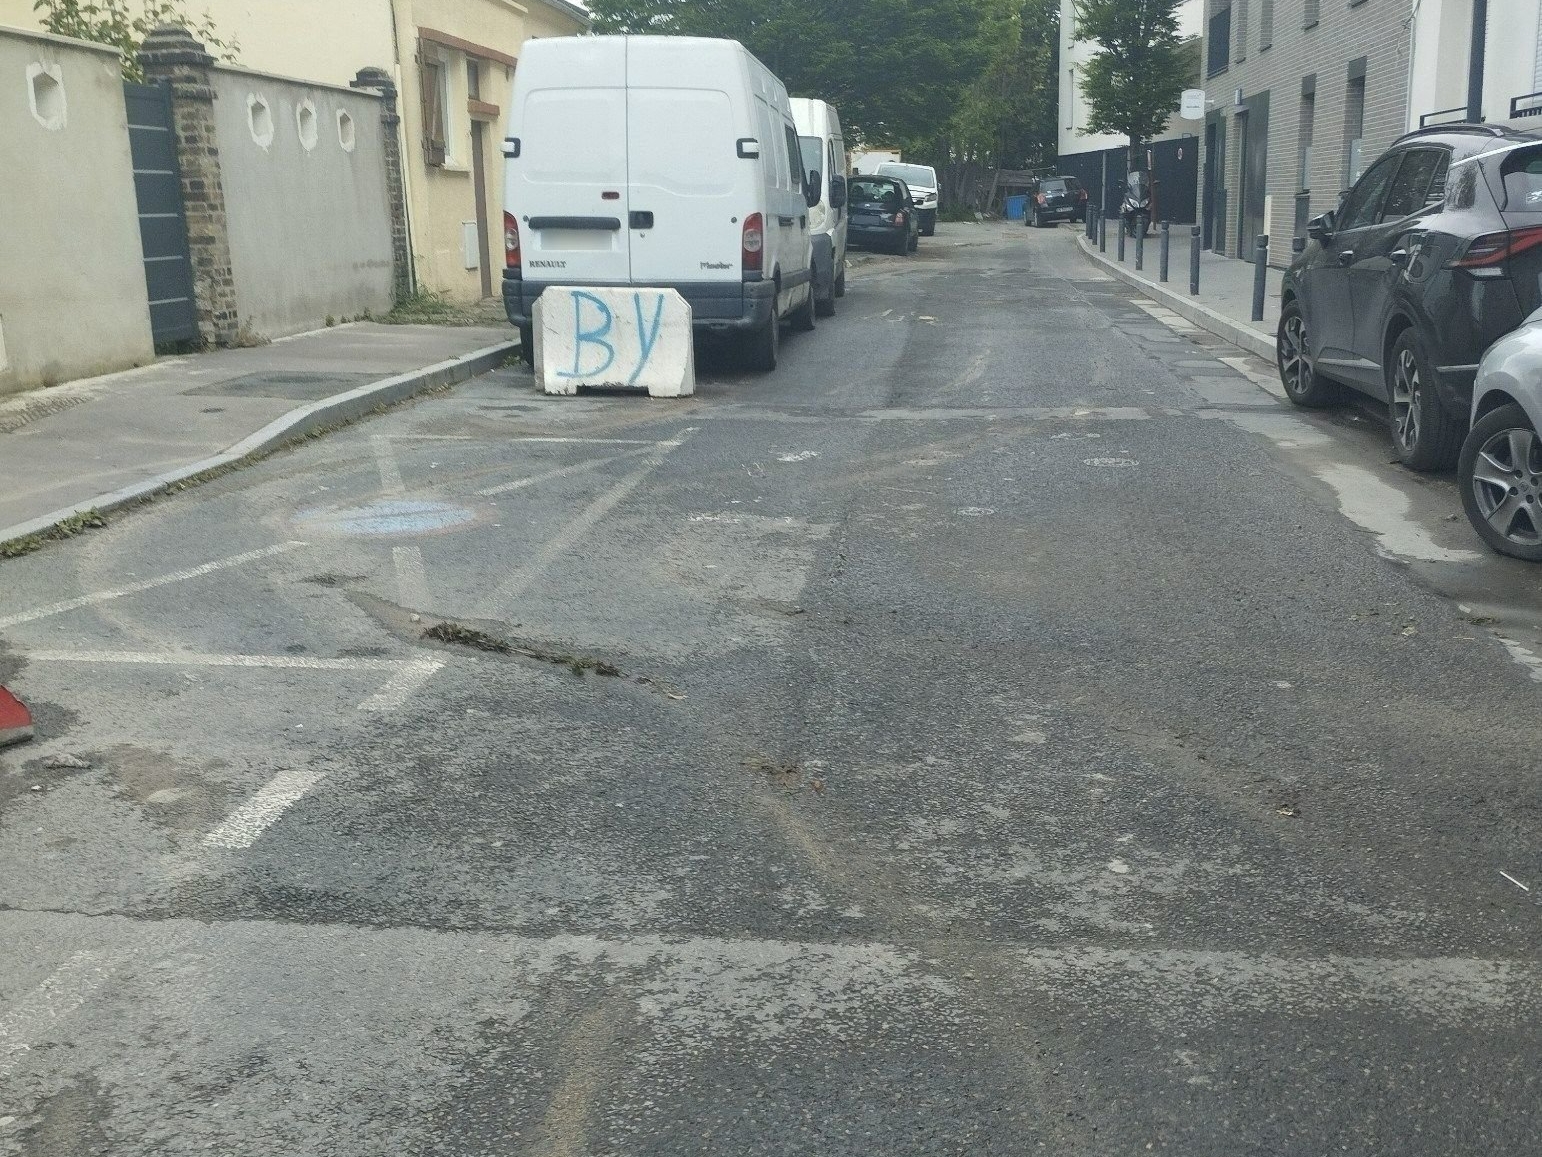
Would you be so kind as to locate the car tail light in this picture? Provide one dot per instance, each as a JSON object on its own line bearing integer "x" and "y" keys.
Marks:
{"x": 899, "y": 218}
{"x": 1039, "y": 197}
{"x": 1081, "y": 194}
{"x": 1486, "y": 254}
{"x": 511, "y": 257}
{"x": 752, "y": 243}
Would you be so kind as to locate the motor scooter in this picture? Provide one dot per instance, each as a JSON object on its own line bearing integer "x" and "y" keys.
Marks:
{"x": 1135, "y": 209}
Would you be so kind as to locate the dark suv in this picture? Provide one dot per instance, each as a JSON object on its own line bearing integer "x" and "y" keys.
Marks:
{"x": 1055, "y": 199}
{"x": 1433, "y": 255}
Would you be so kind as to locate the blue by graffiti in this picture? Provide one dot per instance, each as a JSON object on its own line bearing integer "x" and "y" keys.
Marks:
{"x": 595, "y": 336}
{"x": 647, "y": 334}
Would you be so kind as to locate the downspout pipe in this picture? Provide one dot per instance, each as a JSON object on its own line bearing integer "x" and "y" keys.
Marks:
{"x": 1475, "y": 61}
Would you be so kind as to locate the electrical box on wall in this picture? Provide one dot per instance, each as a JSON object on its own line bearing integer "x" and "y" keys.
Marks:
{"x": 470, "y": 244}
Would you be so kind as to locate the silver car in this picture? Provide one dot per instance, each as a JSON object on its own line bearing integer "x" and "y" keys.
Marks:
{"x": 1500, "y": 469}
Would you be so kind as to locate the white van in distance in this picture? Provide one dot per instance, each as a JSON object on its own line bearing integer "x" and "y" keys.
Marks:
{"x": 661, "y": 161}
{"x": 922, "y": 180}
{"x": 824, "y": 160}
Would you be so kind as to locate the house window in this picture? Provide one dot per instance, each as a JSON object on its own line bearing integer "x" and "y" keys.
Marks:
{"x": 1240, "y": 7}
{"x": 1220, "y": 42}
{"x": 1311, "y": 13}
{"x": 1354, "y": 128}
{"x": 1265, "y": 24}
{"x": 1304, "y": 162}
{"x": 435, "y": 121}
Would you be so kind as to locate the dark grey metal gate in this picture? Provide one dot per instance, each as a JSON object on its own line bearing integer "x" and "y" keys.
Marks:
{"x": 162, "y": 215}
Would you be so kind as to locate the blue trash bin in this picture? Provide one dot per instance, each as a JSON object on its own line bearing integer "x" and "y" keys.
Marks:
{"x": 1017, "y": 207}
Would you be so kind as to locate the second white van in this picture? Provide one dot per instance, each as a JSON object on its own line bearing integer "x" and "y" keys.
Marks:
{"x": 661, "y": 161}
{"x": 824, "y": 160}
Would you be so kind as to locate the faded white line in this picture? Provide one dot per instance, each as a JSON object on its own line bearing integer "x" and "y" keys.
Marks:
{"x": 562, "y": 472}
{"x": 600, "y": 441}
{"x": 1525, "y": 656}
{"x": 520, "y": 581}
{"x": 402, "y": 686}
{"x": 973, "y": 372}
{"x": 149, "y": 584}
{"x": 1383, "y": 510}
{"x": 411, "y": 578}
{"x": 391, "y": 483}
{"x": 31, "y": 1020}
{"x": 259, "y": 813}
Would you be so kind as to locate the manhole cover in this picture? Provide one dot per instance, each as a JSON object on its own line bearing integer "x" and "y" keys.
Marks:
{"x": 296, "y": 385}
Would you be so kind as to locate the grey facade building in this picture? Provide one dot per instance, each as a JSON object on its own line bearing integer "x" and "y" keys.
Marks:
{"x": 1301, "y": 96}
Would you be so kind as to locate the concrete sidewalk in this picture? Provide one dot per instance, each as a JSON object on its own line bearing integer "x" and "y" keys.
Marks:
{"x": 1225, "y": 302}
{"x": 103, "y": 443}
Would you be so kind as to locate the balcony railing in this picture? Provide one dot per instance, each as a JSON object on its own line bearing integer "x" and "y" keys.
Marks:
{"x": 1445, "y": 116}
{"x": 1529, "y": 105}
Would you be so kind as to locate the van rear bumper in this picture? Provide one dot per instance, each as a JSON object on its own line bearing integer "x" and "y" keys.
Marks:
{"x": 716, "y": 306}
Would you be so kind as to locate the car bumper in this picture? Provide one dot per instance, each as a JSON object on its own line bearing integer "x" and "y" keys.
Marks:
{"x": 716, "y": 306}
{"x": 856, "y": 234}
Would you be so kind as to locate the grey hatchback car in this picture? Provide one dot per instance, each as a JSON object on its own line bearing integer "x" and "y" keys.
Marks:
{"x": 1434, "y": 254}
{"x": 1500, "y": 468}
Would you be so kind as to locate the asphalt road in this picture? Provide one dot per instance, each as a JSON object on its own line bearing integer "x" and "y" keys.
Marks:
{"x": 1006, "y": 729}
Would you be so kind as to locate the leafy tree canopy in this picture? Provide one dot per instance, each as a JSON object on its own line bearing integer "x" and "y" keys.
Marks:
{"x": 124, "y": 24}
{"x": 1133, "y": 83}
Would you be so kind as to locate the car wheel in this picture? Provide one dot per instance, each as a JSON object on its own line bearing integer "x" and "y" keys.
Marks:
{"x": 1304, "y": 386}
{"x": 802, "y": 318}
{"x": 527, "y": 345}
{"x": 1500, "y": 475}
{"x": 1424, "y": 435}
{"x": 762, "y": 346}
{"x": 840, "y": 282}
{"x": 825, "y": 306}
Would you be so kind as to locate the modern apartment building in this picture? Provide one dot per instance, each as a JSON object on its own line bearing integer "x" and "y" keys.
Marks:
{"x": 1302, "y": 95}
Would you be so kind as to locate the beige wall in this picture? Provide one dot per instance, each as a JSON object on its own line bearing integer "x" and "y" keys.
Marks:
{"x": 72, "y": 292}
{"x": 442, "y": 199}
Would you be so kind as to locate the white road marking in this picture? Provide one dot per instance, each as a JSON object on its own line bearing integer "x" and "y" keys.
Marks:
{"x": 71, "y": 984}
{"x": 600, "y": 441}
{"x": 411, "y": 578}
{"x": 391, "y": 483}
{"x": 801, "y": 456}
{"x": 259, "y": 813}
{"x": 412, "y": 675}
{"x": 568, "y": 537}
{"x": 563, "y": 472}
{"x": 973, "y": 372}
{"x": 1513, "y": 880}
{"x": 134, "y": 588}
{"x": 408, "y": 674}
{"x": 1382, "y": 509}
{"x": 1525, "y": 656}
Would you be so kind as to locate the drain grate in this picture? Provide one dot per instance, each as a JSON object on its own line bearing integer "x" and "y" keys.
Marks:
{"x": 296, "y": 385}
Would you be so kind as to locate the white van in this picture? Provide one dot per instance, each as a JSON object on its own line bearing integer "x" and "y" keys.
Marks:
{"x": 824, "y": 160}
{"x": 922, "y": 180}
{"x": 664, "y": 161}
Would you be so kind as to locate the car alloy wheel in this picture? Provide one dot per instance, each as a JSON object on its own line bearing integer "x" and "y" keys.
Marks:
{"x": 1407, "y": 401}
{"x": 1295, "y": 372}
{"x": 1506, "y": 484}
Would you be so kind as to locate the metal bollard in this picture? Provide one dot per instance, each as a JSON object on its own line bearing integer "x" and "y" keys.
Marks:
{"x": 1194, "y": 261}
{"x": 1102, "y": 233}
{"x": 1260, "y": 273}
{"x": 1166, "y": 245}
{"x": 1140, "y": 244}
{"x": 1119, "y": 222}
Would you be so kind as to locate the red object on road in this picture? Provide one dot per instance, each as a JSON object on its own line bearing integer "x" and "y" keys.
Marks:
{"x": 15, "y": 719}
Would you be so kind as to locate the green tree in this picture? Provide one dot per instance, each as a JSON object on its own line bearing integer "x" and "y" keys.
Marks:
{"x": 1009, "y": 115}
{"x": 124, "y": 25}
{"x": 1133, "y": 83}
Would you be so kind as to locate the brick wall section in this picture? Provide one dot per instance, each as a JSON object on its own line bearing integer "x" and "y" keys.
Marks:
{"x": 170, "y": 55}
{"x": 379, "y": 80}
{"x": 1374, "y": 29}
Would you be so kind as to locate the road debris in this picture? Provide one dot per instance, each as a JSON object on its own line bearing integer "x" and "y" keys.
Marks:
{"x": 1513, "y": 880}
{"x": 66, "y": 763}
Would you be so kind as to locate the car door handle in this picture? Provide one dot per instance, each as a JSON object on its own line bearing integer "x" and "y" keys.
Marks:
{"x": 780, "y": 220}
{"x": 1347, "y": 257}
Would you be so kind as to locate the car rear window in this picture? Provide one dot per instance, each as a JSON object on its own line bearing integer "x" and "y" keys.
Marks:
{"x": 871, "y": 190}
{"x": 1053, "y": 186}
{"x": 1521, "y": 173}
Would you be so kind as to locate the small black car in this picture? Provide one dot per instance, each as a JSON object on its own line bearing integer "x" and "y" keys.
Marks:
{"x": 1054, "y": 199}
{"x": 1434, "y": 254}
{"x": 881, "y": 214}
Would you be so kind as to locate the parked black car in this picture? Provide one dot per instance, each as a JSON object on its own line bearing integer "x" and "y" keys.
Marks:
{"x": 1052, "y": 199}
{"x": 881, "y": 214}
{"x": 1435, "y": 253}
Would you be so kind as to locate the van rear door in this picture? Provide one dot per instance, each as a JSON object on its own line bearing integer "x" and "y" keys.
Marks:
{"x": 690, "y": 191}
{"x": 568, "y": 185}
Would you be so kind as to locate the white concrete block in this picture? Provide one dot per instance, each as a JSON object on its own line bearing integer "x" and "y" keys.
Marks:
{"x": 614, "y": 338}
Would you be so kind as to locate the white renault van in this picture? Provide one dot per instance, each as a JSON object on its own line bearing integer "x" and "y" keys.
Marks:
{"x": 664, "y": 161}
{"x": 824, "y": 160}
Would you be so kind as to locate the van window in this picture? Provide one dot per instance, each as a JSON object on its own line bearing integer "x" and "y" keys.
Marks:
{"x": 770, "y": 145}
{"x": 555, "y": 118}
{"x": 1521, "y": 172}
{"x": 688, "y": 144}
{"x": 794, "y": 154}
{"x": 813, "y": 156}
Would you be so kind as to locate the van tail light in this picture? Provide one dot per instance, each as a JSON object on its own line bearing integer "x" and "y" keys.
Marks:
{"x": 511, "y": 254}
{"x": 752, "y": 244}
{"x": 1487, "y": 254}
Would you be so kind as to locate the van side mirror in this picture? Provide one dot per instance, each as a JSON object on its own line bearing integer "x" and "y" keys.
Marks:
{"x": 811, "y": 190}
{"x": 511, "y": 147}
{"x": 837, "y": 192}
{"x": 1320, "y": 228}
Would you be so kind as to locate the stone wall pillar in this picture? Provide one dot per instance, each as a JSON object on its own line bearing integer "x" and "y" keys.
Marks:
{"x": 170, "y": 55}
{"x": 379, "y": 80}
